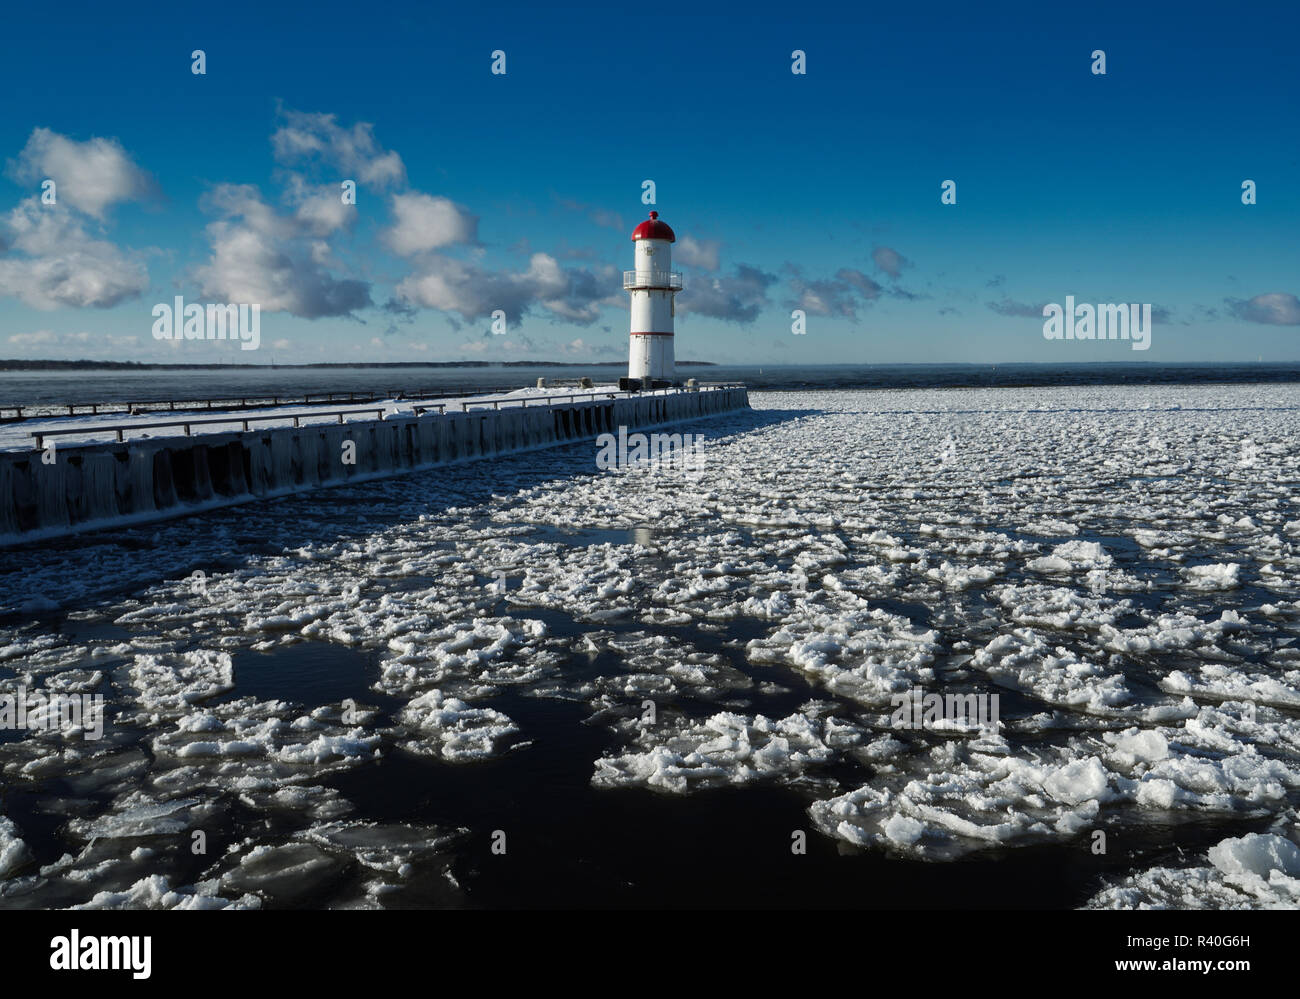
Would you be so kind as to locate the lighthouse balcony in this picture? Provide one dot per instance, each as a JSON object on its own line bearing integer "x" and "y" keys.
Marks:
{"x": 654, "y": 280}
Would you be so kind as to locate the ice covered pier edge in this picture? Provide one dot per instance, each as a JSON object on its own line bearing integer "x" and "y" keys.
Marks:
{"x": 94, "y": 485}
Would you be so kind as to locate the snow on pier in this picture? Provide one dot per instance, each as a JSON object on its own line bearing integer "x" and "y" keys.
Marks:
{"x": 59, "y": 475}
{"x": 87, "y": 428}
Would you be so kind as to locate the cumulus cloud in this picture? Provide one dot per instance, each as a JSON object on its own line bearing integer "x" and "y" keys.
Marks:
{"x": 262, "y": 257}
{"x": 50, "y": 260}
{"x": 702, "y": 253}
{"x": 284, "y": 260}
{"x": 423, "y": 222}
{"x": 48, "y": 255}
{"x": 890, "y": 261}
{"x": 89, "y": 176}
{"x": 306, "y": 136}
{"x": 738, "y": 297}
{"x": 1276, "y": 308}
{"x": 824, "y": 298}
{"x": 475, "y": 292}
{"x": 837, "y": 296}
{"x": 318, "y": 207}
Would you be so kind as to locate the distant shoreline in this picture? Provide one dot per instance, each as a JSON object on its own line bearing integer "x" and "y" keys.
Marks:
{"x": 93, "y": 365}
{"x": 16, "y": 365}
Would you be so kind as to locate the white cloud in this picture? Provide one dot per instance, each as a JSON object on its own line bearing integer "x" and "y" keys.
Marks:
{"x": 319, "y": 208}
{"x": 439, "y": 282}
{"x": 353, "y": 151}
{"x": 260, "y": 257}
{"x": 89, "y": 176}
{"x": 838, "y": 296}
{"x": 738, "y": 297}
{"x": 701, "y": 253}
{"x": 59, "y": 263}
{"x": 423, "y": 222}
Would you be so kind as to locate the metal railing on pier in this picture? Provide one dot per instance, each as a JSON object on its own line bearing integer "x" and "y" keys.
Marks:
{"x": 120, "y": 429}
{"x": 40, "y": 411}
{"x": 245, "y": 420}
{"x": 524, "y": 400}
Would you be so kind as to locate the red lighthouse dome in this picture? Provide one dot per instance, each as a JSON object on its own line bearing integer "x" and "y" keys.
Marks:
{"x": 652, "y": 228}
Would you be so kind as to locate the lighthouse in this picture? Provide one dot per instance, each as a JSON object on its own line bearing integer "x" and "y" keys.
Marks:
{"x": 652, "y": 285}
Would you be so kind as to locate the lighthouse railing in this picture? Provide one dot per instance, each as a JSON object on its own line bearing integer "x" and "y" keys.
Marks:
{"x": 652, "y": 279}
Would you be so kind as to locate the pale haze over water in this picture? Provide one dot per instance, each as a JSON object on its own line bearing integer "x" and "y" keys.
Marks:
{"x": 33, "y": 387}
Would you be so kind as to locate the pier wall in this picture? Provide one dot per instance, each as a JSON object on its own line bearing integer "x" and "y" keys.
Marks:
{"x": 92, "y": 486}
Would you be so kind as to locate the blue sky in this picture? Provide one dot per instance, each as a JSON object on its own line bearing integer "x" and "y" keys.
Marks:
{"x": 518, "y": 192}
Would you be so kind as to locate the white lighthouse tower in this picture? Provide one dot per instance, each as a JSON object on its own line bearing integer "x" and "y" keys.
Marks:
{"x": 652, "y": 286}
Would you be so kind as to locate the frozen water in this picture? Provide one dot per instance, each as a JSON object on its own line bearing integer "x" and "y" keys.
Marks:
{"x": 1253, "y": 871}
{"x": 13, "y": 851}
{"x": 727, "y": 748}
{"x": 1134, "y": 607}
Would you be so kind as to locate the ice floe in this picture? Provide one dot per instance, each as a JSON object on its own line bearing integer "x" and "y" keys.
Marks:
{"x": 1101, "y": 559}
{"x": 1258, "y": 870}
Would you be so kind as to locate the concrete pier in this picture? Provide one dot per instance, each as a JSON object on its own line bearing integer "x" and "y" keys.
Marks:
{"x": 89, "y": 486}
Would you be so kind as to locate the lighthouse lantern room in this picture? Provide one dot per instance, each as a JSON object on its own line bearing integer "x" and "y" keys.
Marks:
{"x": 652, "y": 285}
